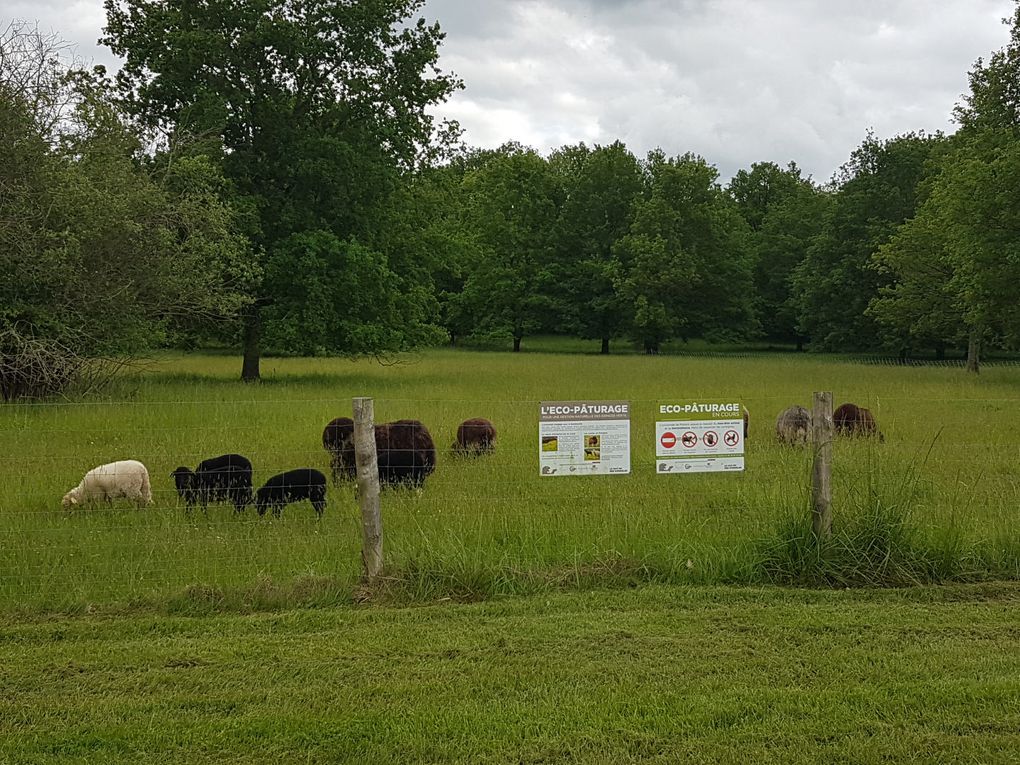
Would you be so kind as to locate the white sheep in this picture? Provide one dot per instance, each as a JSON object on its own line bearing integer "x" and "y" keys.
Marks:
{"x": 126, "y": 478}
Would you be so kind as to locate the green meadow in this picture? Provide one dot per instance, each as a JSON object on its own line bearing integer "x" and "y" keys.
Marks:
{"x": 937, "y": 501}
{"x": 651, "y": 675}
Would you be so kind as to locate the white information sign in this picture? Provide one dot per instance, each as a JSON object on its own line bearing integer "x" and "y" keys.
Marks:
{"x": 699, "y": 437}
{"x": 584, "y": 438}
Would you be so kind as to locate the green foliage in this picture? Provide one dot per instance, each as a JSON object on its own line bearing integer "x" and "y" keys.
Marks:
{"x": 877, "y": 191}
{"x": 957, "y": 263}
{"x": 103, "y": 251}
{"x": 785, "y": 213}
{"x": 600, "y": 187}
{"x": 316, "y": 111}
{"x": 685, "y": 266}
{"x": 311, "y": 273}
{"x": 512, "y": 203}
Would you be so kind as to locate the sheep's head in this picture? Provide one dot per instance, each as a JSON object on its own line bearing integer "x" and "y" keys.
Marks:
{"x": 183, "y": 479}
{"x": 70, "y": 500}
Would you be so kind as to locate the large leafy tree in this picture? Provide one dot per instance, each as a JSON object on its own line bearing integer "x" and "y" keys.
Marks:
{"x": 104, "y": 252}
{"x": 315, "y": 109}
{"x": 685, "y": 267}
{"x": 599, "y": 187}
{"x": 784, "y": 211}
{"x": 956, "y": 265}
{"x": 876, "y": 191}
{"x": 511, "y": 206}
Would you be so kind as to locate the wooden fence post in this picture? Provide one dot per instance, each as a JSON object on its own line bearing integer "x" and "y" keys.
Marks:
{"x": 821, "y": 473}
{"x": 368, "y": 487}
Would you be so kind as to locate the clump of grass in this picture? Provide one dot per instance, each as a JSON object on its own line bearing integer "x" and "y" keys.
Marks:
{"x": 875, "y": 548}
{"x": 876, "y": 541}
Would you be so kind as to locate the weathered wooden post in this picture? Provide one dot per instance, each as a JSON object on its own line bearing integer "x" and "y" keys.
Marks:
{"x": 821, "y": 473}
{"x": 367, "y": 463}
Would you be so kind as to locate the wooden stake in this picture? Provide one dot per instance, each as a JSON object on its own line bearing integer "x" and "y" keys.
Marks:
{"x": 821, "y": 474}
{"x": 367, "y": 463}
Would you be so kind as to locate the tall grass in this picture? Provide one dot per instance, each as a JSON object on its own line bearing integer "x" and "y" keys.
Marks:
{"x": 936, "y": 501}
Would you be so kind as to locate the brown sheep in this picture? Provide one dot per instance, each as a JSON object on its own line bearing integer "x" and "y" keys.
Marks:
{"x": 475, "y": 436}
{"x": 793, "y": 426}
{"x": 404, "y": 448}
{"x": 338, "y": 440}
{"x": 853, "y": 420}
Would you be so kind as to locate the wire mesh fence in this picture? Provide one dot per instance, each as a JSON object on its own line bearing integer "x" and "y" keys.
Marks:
{"x": 954, "y": 473}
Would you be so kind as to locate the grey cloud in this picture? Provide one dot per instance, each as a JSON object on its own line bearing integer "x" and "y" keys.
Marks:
{"x": 737, "y": 81}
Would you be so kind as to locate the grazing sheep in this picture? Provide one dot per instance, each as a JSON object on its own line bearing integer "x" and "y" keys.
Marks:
{"x": 126, "y": 478}
{"x": 292, "y": 486}
{"x": 853, "y": 420}
{"x": 475, "y": 436}
{"x": 412, "y": 440}
{"x": 410, "y": 437}
{"x": 227, "y": 477}
{"x": 402, "y": 466}
{"x": 793, "y": 426}
{"x": 338, "y": 440}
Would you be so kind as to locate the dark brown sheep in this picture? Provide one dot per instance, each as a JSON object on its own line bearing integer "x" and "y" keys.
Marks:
{"x": 338, "y": 440}
{"x": 853, "y": 420}
{"x": 475, "y": 436}
{"x": 405, "y": 449}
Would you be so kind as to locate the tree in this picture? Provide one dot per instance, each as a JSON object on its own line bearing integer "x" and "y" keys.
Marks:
{"x": 314, "y": 109}
{"x": 784, "y": 211}
{"x": 512, "y": 203}
{"x": 685, "y": 266}
{"x": 877, "y": 190}
{"x": 103, "y": 252}
{"x": 957, "y": 263}
{"x": 600, "y": 186}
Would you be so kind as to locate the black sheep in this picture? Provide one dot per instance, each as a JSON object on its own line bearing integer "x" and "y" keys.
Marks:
{"x": 292, "y": 486}
{"x": 227, "y": 477}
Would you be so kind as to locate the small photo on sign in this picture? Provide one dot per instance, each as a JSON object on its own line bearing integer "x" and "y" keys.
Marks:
{"x": 592, "y": 442}
{"x": 550, "y": 444}
{"x": 592, "y": 455}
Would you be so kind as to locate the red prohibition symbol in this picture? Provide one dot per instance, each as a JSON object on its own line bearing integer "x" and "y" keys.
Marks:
{"x": 668, "y": 439}
{"x": 689, "y": 439}
{"x": 711, "y": 438}
{"x": 731, "y": 437}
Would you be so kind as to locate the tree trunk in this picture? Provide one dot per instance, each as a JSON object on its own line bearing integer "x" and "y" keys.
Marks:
{"x": 605, "y": 346}
{"x": 651, "y": 348}
{"x": 973, "y": 352}
{"x": 940, "y": 351}
{"x": 800, "y": 344}
{"x": 252, "y": 349}
{"x": 517, "y": 344}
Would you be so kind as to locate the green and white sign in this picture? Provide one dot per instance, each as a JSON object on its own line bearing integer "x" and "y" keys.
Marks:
{"x": 699, "y": 437}
{"x": 584, "y": 438}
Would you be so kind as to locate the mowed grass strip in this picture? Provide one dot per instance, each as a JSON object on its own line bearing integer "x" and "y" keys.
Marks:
{"x": 655, "y": 674}
{"x": 492, "y": 526}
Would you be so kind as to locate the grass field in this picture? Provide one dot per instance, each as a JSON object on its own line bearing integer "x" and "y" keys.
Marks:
{"x": 936, "y": 501}
{"x": 650, "y": 675}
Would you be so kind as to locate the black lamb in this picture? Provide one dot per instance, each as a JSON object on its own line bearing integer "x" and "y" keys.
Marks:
{"x": 218, "y": 479}
{"x": 292, "y": 486}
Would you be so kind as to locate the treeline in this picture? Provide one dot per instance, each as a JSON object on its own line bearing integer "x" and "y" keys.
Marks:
{"x": 276, "y": 180}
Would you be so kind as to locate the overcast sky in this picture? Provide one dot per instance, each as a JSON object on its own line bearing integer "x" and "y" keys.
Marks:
{"x": 737, "y": 81}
